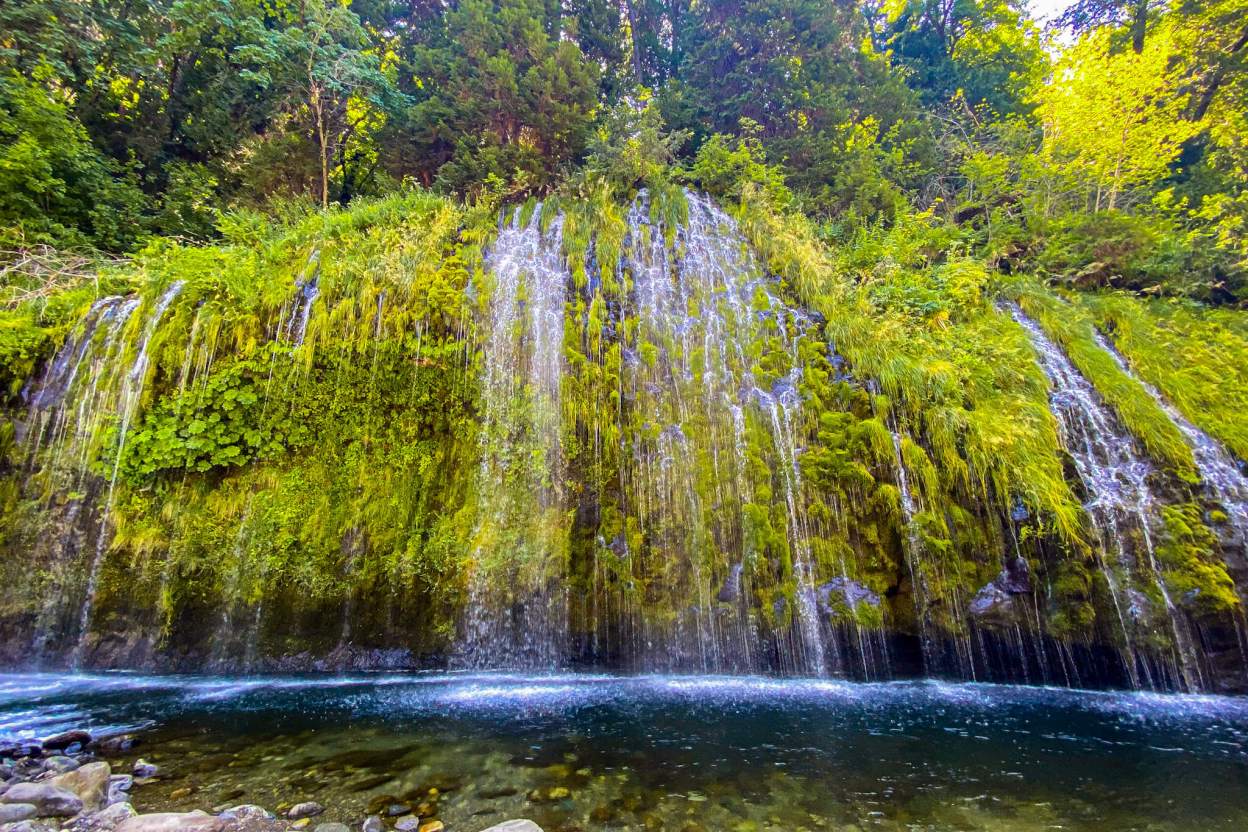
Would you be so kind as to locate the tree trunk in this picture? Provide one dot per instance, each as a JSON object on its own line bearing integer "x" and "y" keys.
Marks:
{"x": 630, "y": 7}
{"x": 1139, "y": 22}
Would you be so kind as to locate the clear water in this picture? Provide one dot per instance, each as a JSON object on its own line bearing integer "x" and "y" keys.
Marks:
{"x": 670, "y": 752}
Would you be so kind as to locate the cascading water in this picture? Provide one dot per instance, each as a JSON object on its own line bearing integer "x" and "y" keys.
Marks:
{"x": 1220, "y": 473}
{"x": 127, "y": 402}
{"x": 1120, "y": 502}
{"x": 516, "y": 613}
{"x": 711, "y": 401}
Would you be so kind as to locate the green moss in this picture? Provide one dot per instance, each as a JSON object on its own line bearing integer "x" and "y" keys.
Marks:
{"x": 1191, "y": 566}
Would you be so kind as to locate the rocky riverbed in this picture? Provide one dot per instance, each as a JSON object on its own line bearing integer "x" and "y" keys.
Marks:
{"x": 75, "y": 782}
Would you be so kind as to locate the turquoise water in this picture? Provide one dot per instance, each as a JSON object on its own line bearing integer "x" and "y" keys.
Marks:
{"x": 668, "y": 752}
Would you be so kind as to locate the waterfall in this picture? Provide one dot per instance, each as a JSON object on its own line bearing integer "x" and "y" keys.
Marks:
{"x": 516, "y": 613}
{"x": 127, "y": 403}
{"x": 701, "y": 304}
{"x": 1120, "y": 502}
{"x": 1219, "y": 471}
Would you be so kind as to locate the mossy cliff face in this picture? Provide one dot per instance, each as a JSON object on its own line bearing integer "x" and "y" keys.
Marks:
{"x": 646, "y": 434}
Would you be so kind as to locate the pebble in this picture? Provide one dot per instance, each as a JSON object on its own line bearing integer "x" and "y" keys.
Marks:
{"x": 432, "y": 826}
{"x": 407, "y": 823}
{"x": 331, "y": 827}
{"x": 372, "y": 824}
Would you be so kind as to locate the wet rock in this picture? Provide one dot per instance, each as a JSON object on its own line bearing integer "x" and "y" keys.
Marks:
{"x": 520, "y": 825}
{"x": 116, "y": 744}
{"x": 247, "y": 811}
{"x": 393, "y": 810}
{"x": 730, "y": 592}
{"x": 105, "y": 820}
{"x": 89, "y": 783}
{"x": 179, "y": 794}
{"x": 19, "y": 749}
{"x": 66, "y": 740}
{"x": 302, "y": 823}
{"x": 30, "y": 826}
{"x": 308, "y": 809}
{"x": 60, "y": 765}
{"x": 48, "y": 800}
{"x": 331, "y": 827}
{"x": 407, "y": 823}
{"x": 142, "y": 768}
{"x": 172, "y": 822}
{"x": 995, "y": 603}
{"x": 119, "y": 786}
{"x": 844, "y": 592}
{"x": 372, "y": 824}
{"x": 431, "y": 826}
{"x": 13, "y": 812}
{"x": 28, "y": 767}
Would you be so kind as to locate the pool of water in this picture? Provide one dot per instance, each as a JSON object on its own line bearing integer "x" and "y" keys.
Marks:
{"x": 668, "y": 752}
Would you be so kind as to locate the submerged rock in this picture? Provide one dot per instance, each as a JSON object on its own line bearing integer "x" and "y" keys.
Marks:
{"x": 116, "y": 744}
{"x": 995, "y": 603}
{"x": 308, "y": 809}
{"x": 48, "y": 800}
{"x": 66, "y": 739}
{"x": 372, "y": 824}
{"x": 521, "y": 825}
{"x": 142, "y": 768}
{"x": 407, "y": 823}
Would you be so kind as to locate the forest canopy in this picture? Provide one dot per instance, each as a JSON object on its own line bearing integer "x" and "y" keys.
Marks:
{"x": 1105, "y": 148}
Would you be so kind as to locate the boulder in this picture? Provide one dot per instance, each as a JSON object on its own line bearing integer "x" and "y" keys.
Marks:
{"x": 48, "y": 800}
{"x": 309, "y": 809}
{"x": 13, "y": 812}
{"x": 89, "y": 782}
{"x": 172, "y": 822}
{"x": 520, "y": 825}
{"x": 66, "y": 739}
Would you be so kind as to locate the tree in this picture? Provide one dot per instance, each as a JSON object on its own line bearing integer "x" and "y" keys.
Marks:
{"x": 1115, "y": 121}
